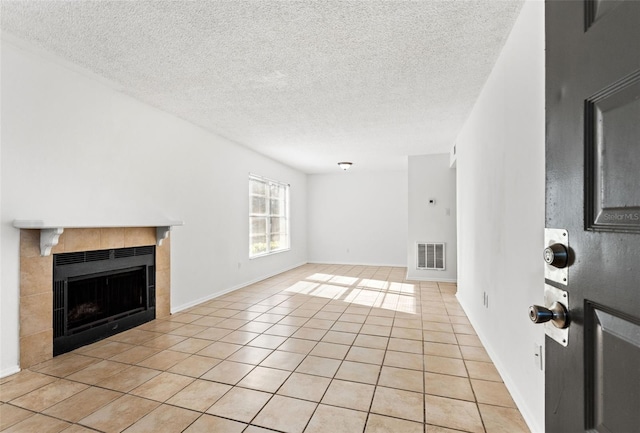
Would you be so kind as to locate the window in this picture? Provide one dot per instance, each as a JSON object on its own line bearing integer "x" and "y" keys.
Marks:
{"x": 268, "y": 216}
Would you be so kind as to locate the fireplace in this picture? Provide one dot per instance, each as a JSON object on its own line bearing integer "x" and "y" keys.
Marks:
{"x": 100, "y": 293}
{"x": 36, "y": 274}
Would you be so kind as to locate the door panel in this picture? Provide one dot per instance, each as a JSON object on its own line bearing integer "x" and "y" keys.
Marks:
{"x": 612, "y": 120}
{"x": 593, "y": 191}
{"x": 596, "y": 9}
{"x": 612, "y": 350}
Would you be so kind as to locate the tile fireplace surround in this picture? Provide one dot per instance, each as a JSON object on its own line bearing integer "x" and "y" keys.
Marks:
{"x": 36, "y": 279}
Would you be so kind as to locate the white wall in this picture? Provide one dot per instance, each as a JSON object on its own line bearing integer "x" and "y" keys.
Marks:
{"x": 500, "y": 167}
{"x": 74, "y": 148}
{"x": 430, "y": 177}
{"x": 357, "y": 218}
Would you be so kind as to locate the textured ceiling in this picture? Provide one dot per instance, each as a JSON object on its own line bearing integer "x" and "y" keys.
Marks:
{"x": 308, "y": 83}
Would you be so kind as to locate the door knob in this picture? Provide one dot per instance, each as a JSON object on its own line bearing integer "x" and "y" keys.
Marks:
{"x": 556, "y": 255}
{"x": 556, "y": 314}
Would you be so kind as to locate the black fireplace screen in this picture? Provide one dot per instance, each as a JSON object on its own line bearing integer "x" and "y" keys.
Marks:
{"x": 98, "y": 297}
{"x": 101, "y": 293}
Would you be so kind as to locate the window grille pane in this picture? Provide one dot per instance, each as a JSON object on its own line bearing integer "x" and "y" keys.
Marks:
{"x": 257, "y": 187}
{"x": 258, "y": 244}
{"x": 275, "y": 242}
{"x": 276, "y": 207}
{"x": 258, "y": 226}
{"x": 258, "y": 205}
{"x": 279, "y": 225}
{"x": 275, "y": 225}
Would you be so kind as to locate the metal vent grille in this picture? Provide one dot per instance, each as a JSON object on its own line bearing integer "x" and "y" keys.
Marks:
{"x": 124, "y": 252}
{"x": 151, "y": 281}
{"x": 59, "y": 312}
{"x": 95, "y": 256}
{"x": 430, "y": 256}
{"x": 98, "y": 255}
{"x": 80, "y": 257}
{"x": 130, "y": 252}
{"x": 144, "y": 251}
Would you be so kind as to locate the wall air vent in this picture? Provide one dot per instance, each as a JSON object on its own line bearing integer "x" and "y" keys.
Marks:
{"x": 430, "y": 256}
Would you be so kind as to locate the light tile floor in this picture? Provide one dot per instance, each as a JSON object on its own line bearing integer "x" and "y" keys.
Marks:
{"x": 321, "y": 348}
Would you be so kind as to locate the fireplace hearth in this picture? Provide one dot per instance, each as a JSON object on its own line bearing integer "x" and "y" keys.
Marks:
{"x": 100, "y": 293}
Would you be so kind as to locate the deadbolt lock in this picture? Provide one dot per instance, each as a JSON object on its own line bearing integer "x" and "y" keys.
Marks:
{"x": 556, "y": 255}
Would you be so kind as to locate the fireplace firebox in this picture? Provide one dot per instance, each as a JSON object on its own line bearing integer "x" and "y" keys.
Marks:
{"x": 97, "y": 294}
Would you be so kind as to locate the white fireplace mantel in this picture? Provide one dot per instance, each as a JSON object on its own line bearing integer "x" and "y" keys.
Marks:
{"x": 50, "y": 231}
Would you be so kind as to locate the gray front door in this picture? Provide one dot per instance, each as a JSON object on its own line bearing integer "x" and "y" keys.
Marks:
{"x": 593, "y": 191}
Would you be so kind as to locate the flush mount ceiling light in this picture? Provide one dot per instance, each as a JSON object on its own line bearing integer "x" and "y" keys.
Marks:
{"x": 345, "y": 165}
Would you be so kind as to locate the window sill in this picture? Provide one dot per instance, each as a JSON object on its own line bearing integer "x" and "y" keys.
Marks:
{"x": 271, "y": 253}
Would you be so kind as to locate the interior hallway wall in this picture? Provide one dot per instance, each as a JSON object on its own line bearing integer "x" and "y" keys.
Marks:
{"x": 500, "y": 169}
{"x": 431, "y": 177}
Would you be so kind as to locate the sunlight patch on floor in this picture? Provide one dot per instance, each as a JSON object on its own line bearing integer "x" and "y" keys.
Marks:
{"x": 393, "y": 296}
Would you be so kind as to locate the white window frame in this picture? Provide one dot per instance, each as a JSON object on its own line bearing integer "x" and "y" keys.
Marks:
{"x": 268, "y": 215}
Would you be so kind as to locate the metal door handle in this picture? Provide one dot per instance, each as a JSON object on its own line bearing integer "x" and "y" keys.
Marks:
{"x": 556, "y": 314}
{"x": 555, "y": 317}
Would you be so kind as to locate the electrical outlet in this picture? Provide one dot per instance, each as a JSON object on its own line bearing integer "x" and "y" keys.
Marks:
{"x": 485, "y": 300}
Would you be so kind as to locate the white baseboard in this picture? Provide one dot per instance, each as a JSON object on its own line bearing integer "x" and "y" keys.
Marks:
{"x": 321, "y": 262}
{"x": 9, "y": 371}
{"x": 231, "y": 289}
{"x": 518, "y": 399}
{"x": 437, "y": 280}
